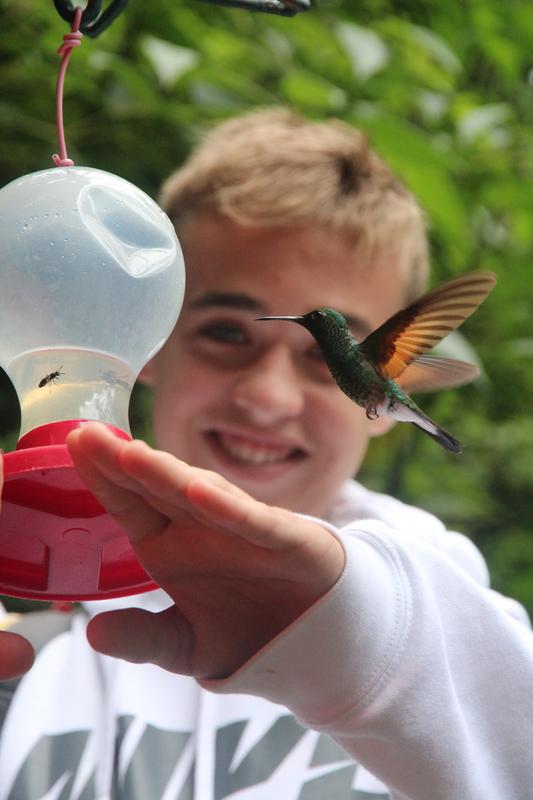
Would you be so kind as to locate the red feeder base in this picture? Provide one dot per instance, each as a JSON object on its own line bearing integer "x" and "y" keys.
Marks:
{"x": 56, "y": 541}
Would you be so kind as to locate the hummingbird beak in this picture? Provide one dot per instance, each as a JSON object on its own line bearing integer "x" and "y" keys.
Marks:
{"x": 290, "y": 319}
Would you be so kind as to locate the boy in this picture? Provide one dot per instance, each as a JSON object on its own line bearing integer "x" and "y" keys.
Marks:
{"x": 289, "y": 586}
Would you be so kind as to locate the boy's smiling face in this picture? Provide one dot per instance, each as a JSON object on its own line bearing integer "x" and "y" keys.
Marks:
{"x": 254, "y": 401}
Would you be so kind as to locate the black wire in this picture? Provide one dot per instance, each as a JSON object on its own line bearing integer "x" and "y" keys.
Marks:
{"x": 66, "y": 9}
{"x": 105, "y": 19}
{"x": 285, "y": 8}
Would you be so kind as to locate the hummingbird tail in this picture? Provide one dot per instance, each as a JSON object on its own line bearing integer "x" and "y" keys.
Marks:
{"x": 442, "y": 436}
{"x": 415, "y": 416}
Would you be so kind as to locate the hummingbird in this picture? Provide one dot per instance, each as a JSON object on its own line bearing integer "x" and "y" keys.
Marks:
{"x": 378, "y": 372}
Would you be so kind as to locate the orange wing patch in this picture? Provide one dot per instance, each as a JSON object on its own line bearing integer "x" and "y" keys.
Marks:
{"x": 419, "y": 327}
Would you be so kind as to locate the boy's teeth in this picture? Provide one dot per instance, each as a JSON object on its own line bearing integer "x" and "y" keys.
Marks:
{"x": 253, "y": 454}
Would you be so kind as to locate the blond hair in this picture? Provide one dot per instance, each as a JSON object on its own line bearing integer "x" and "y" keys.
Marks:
{"x": 271, "y": 168}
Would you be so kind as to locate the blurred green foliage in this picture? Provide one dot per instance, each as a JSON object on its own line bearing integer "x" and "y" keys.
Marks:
{"x": 444, "y": 89}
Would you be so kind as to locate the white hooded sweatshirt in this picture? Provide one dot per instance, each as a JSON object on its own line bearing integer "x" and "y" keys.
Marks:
{"x": 410, "y": 669}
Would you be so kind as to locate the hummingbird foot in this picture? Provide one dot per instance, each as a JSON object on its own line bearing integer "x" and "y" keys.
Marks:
{"x": 371, "y": 412}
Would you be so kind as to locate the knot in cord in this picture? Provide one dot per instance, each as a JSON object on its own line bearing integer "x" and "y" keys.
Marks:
{"x": 70, "y": 40}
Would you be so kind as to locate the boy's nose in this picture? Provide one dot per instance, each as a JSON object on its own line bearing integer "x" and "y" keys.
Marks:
{"x": 270, "y": 389}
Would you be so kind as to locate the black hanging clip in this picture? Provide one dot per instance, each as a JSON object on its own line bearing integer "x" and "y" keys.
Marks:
{"x": 93, "y": 22}
{"x": 285, "y": 8}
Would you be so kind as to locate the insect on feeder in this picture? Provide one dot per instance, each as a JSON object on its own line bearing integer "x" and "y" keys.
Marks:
{"x": 92, "y": 280}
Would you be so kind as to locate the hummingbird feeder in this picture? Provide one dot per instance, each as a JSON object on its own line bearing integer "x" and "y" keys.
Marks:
{"x": 92, "y": 279}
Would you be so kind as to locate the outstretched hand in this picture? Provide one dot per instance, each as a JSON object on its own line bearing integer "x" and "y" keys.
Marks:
{"x": 238, "y": 571}
{"x": 16, "y": 653}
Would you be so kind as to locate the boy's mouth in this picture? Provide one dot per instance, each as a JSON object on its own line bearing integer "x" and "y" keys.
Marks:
{"x": 246, "y": 450}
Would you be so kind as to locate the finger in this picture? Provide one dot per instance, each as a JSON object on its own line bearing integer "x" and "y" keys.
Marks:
{"x": 166, "y": 477}
{"x": 134, "y": 465}
{"x": 16, "y": 655}
{"x": 156, "y": 476}
{"x": 267, "y": 526}
{"x": 140, "y": 636}
{"x": 95, "y": 451}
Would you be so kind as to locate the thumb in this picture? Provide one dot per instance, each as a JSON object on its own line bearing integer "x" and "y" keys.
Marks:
{"x": 140, "y": 636}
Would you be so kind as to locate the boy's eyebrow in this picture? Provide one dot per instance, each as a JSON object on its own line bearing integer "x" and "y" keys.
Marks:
{"x": 244, "y": 302}
{"x": 237, "y": 300}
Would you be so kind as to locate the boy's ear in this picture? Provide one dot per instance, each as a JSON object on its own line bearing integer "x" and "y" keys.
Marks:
{"x": 147, "y": 374}
{"x": 381, "y": 425}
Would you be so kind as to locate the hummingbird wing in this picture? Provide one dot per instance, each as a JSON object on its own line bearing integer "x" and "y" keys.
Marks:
{"x": 414, "y": 330}
{"x": 429, "y": 373}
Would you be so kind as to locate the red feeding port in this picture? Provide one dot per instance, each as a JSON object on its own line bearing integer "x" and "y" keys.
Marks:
{"x": 56, "y": 541}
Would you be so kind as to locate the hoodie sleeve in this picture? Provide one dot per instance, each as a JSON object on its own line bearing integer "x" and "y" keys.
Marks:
{"x": 413, "y": 665}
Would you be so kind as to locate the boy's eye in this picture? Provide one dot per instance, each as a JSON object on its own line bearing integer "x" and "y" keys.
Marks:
{"x": 226, "y": 332}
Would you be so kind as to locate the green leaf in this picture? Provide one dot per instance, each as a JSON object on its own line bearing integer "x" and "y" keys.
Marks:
{"x": 309, "y": 91}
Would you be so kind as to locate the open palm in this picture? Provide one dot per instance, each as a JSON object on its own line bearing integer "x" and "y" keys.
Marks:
{"x": 238, "y": 571}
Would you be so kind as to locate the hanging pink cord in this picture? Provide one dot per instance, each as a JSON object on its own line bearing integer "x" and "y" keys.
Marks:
{"x": 70, "y": 40}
